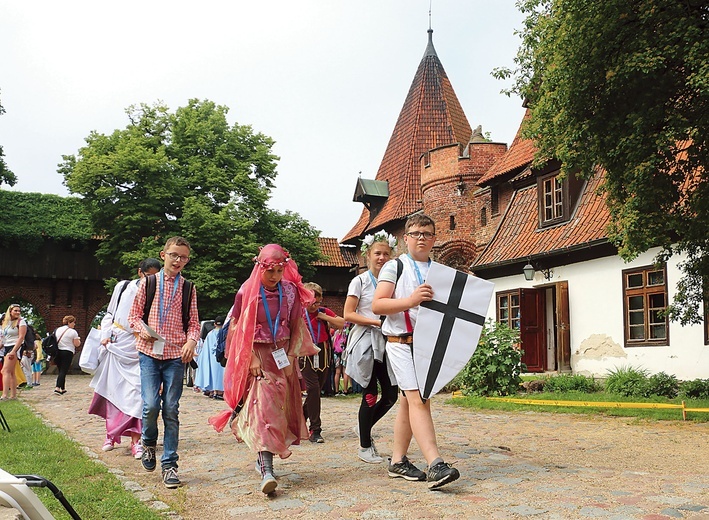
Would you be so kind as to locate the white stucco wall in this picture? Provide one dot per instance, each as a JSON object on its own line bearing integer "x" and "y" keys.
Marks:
{"x": 596, "y": 320}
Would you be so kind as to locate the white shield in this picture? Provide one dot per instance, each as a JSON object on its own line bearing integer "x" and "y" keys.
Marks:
{"x": 448, "y": 327}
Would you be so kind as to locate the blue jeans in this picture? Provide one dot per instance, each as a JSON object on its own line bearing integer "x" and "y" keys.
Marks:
{"x": 153, "y": 374}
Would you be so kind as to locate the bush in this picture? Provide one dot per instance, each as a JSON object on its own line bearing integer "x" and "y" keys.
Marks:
{"x": 569, "y": 382}
{"x": 496, "y": 366}
{"x": 627, "y": 381}
{"x": 694, "y": 389}
{"x": 663, "y": 385}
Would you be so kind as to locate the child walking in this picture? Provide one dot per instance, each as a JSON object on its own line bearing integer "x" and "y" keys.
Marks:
{"x": 367, "y": 361}
{"x": 266, "y": 336}
{"x": 162, "y": 364}
{"x": 398, "y": 298}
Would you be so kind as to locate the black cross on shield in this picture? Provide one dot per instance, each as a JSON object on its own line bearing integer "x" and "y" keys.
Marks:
{"x": 451, "y": 311}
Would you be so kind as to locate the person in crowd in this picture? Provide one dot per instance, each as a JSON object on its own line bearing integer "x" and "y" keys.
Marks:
{"x": 267, "y": 334}
{"x": 314, "y": 368}
{"x": 161, "y": 362}
{"x": 26, "y": 363}
{"x": 116, "y": 382}
{"x": 67, "y": 340}
{"x": 398, "y": 297}
{"x": 14, "y": 329}
{"x": 367, "y": 362}
{"x": 210, "y": 374}
{"x": 339, "y": 341}
{"x": 37, "y": 362}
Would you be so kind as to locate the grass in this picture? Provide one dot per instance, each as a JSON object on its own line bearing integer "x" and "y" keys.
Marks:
{"x": 640, "y": 413}
{"x": 34, "y": 448}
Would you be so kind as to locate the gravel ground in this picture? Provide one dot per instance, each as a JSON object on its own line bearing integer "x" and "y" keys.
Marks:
{"x": 513, "y": 465}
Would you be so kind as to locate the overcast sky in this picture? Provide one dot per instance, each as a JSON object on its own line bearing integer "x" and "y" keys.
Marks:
{"x": 325, "y": 79}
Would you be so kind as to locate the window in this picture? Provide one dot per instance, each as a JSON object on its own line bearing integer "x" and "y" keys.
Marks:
{"x": 483, "y": 217}
{"x": 553, "y": 200}
{"x": 494, "y": 200}
{"x": 644, "y": 300}
{"x": 451, "y": 222}
{"x": 508, "y": 308}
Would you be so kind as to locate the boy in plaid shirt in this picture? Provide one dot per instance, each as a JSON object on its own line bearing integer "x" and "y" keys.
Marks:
{"x": 162, "y": 364}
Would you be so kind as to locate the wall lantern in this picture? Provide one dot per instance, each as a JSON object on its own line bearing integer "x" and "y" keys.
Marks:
{"x": 528, "y": 271}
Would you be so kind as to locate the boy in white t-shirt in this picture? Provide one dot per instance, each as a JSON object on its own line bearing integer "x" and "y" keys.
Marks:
{"x": 398, "y": 297}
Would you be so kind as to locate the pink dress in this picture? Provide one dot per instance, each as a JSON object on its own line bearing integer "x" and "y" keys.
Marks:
{"x": 272, "y": 415}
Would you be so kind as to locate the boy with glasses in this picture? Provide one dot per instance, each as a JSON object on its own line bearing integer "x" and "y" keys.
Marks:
{"x": 161, "y": 363}
{"x": 398, "y": 297}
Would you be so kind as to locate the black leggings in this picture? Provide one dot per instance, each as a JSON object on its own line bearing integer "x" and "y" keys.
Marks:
{"x": 63, "y": 362}
{"x": 371, "y": 410}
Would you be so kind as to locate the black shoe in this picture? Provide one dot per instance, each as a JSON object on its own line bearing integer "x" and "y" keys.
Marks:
{"x": 405, "y": 469}
{"x": 441, "y": 474}
{"x": 316, "y": 437}
{"x": 169, "y": 478}
{"x": 148, "y": 458}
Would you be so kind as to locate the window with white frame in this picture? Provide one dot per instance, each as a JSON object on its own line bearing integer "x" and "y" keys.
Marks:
{"x": 644, "y": 304}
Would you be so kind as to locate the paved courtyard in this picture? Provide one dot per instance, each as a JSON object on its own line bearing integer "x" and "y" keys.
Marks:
{"x": 513, "y": 465}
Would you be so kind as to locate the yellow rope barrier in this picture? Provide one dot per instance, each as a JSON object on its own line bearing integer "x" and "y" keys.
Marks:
{"x": 593, "y": 404}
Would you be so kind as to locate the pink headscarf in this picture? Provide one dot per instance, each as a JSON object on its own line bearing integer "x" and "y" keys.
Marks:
{"x": 241, "y": 333}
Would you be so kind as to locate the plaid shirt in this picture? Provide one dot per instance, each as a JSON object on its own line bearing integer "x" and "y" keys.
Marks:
{"x": 171, "y": 329}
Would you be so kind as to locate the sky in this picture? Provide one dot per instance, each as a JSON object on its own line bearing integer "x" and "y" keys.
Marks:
{"x": 326, "y": 79}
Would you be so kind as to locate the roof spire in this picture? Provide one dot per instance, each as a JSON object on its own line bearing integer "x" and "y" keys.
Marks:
{"x": 430, "y": 50}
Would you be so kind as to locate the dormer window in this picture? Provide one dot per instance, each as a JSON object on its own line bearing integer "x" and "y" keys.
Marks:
{"x": 557, "y": 196}
{"x": 553, "y": 203}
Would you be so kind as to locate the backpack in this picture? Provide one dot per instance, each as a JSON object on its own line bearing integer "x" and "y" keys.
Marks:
{"x": 50, "y": 345}
{"x": 187, "y": 288}
{"x": 220, "y": 352}
{"x": 339, "y": 341}
{"x": 28, "y": 342}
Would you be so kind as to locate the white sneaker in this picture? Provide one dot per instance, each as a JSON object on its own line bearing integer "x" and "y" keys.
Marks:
{"x": 370, "y": 455}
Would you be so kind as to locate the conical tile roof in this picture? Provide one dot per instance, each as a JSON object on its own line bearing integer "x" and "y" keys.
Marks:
{"x": 431, "y": 117}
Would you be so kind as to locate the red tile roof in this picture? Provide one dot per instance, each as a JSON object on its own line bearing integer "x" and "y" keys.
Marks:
{"x": 335, "y": 254}
{"x": 431, "y": 117}
{"x": 519, "y": 235}
{"x": 520, "y": 154}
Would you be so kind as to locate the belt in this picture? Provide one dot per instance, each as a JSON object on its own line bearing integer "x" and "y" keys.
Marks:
{"x": 408, "y": 339}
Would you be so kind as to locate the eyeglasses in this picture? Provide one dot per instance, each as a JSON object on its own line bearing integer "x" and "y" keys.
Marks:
{"x": 418, "y": 235}
{"x": 175, "y": 257}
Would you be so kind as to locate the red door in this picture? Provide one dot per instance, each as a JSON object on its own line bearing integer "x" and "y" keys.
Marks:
{"x": 532, "y": 329}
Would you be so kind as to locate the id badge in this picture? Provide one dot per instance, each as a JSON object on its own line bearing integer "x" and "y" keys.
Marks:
{"x": 281, "y": 358}
{"x": 316, "y": 361}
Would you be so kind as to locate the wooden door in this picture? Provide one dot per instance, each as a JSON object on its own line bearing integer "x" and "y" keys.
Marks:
{"x": 532, "y": 326}
{"x": 563, "y": 329}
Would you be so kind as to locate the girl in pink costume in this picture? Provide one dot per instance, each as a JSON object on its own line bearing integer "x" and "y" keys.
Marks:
{"x": 266, "y": 336}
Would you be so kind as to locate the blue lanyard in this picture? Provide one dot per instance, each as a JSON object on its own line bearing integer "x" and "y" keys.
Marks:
{"x": 374, "y": 280}
{"x": 164, "y": 309}
{"x": 418, "y": 273}
{"x": 310, "y": 326}
{"x": 267, "y": 310}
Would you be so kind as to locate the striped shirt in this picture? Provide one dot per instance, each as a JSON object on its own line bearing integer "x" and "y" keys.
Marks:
{"x": 171, "y": 326}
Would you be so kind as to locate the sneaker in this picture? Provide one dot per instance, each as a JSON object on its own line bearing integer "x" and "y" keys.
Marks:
{"x": 169, "y": 477}
{"x": 370, "y": 455}
{"x": 316, "y": 437}
{"x": 406, "y": 470}
{"x": 107, "y": 445}
{"x": 441, "y": 474}
{"x": 136, "y": 449}
{"x": 57, "y": 392}
{"x": 148, "y": 458}
{"x": 257, "y": 467}
{"x": 268, "y": 484}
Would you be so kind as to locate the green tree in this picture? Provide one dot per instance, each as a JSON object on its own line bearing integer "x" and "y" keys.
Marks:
{"x": 6, "y": 176}
{"x": 192, "y": 174}
{"x": 624, "y": 85}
